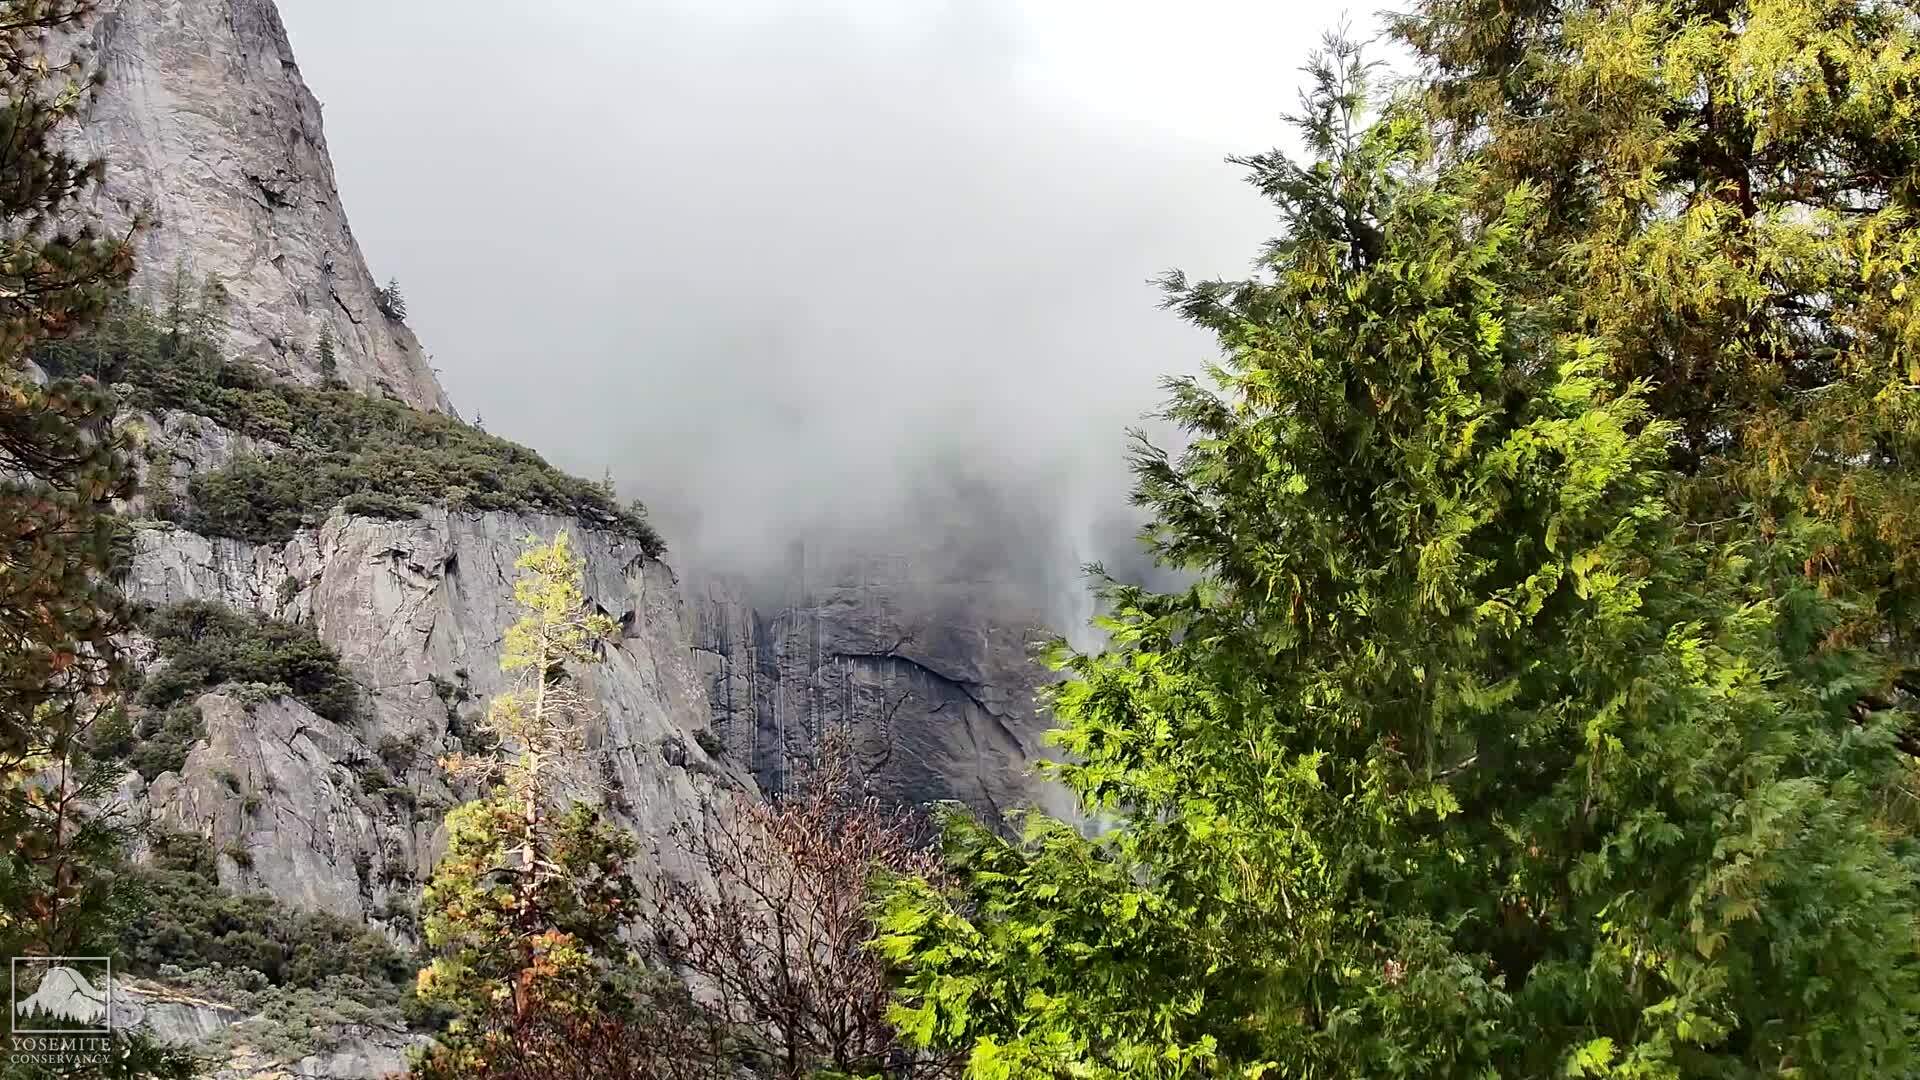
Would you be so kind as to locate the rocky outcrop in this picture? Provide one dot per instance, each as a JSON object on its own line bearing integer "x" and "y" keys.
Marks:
{"x": 251, "y": 1045}
{"x": 341, "y": 820}
{"x": 208, "y": 125}
{"x": 929, "y": 672}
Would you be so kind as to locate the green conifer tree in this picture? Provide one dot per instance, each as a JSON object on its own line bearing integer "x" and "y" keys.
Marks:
{"x": 1466, "y": 755}
{"x": 329, "y": 357}
{"x": 61, "y": 465}
{"x": 530, "y": 912}
{"x": 1727, "y": 200}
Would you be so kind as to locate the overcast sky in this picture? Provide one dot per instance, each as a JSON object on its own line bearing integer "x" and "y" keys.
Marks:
{"x": 785, "y": 267}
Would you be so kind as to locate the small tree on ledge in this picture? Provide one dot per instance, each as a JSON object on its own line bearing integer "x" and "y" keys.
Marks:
{"x": 390, "y": 301}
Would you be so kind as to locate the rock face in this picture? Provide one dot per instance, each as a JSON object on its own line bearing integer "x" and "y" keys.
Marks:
{"x": 927, "y": 670}
{"x": 174, "y": 1018}
{"x": 346, "y": 820}
{"x": 207, "y": 123}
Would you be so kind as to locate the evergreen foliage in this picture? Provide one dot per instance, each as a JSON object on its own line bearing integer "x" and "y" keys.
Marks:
{"x": 335, "y": 447}
{"x": 531, "y": 910}
{"x": 206, "y": 645}
{"x": 61, "y": 465}
{"x": 60, "y": 462}
{"x": 327, "y": 356}
{"x": 1468, "y": 754}
{"x": 1726, "y": 199}
{"x": 391, "y": 302}
{"x": 189, "y": 922}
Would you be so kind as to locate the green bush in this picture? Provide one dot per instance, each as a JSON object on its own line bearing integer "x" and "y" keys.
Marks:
{"x": 158, "y": 742}
{"x": 207, "y": 645}
{"x": 191, "y": 923}
{"x": 339, "y": 448}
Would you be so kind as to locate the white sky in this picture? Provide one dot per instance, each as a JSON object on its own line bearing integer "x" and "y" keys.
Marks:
{"x": 767, "y": 260}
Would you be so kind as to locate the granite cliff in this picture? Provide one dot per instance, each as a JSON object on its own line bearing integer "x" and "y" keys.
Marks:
{"x": 211, "y": 130}
{"x": 208, "y": 125}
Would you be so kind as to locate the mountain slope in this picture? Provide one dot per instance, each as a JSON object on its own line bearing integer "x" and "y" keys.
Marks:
{"x": 208, "y": 125}
{"x": 206, "y": 120}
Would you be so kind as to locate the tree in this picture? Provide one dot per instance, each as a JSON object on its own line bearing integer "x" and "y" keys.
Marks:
{"x": 61, "y": 465}
{"x": 60, "y": 462}
{"x": 1466, "y": 754}
{"x": 540, "y": 724}
{"x": 390, "y": 301}
{"x": 777, "y": 927}
{"x": 531, "y": 908}
{"x": 329, "y": 357}
{"x": 1727, "y": 196}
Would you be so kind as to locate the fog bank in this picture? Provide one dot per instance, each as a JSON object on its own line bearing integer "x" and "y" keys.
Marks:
{"x": 869, "y": 273}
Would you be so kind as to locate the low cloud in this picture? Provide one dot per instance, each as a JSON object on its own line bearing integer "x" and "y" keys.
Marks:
{"x": 874, "y": 276}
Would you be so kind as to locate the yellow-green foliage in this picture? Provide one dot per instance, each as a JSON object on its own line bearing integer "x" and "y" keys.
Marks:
{"x": 540, "y": 723}
{"x": 1728, "y": 203}
{"x": 527, "y": 909}
{"x": 1471, "y": 753}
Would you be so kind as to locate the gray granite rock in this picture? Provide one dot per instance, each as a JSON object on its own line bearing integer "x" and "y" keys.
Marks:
{"x": 341, "y": 820}
{"x": 928, "y": 670}
{"x": 222, "y": 1037}
{"x": 208, "y": 125}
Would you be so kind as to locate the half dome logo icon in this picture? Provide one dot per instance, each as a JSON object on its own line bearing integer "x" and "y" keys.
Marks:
{"x": 62, "y": 995}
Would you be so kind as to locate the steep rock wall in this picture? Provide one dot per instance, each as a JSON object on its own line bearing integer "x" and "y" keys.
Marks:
{"x": 346, "y": 819}
{"x": 929, "y": 672}
{"x": 207, "y": 123}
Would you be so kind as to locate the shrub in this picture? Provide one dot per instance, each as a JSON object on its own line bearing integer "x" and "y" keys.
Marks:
{"x": 206, "y": 645}
{"x": 165, "y": 738}
{"x": 399, "y": 751}
{"x": 192, "y": 923}
{"x": 710, "y": 742}
{"x": 336, "y": 448}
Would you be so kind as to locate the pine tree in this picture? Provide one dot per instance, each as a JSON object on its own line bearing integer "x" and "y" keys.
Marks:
{"x": 329, "y": 357}
{"x": 1728, "y": 196}
{"x": 531, "y": 909}
{"x": 390, "y": 301}
{"x": 1466, "y": 755}
{"x": 61, "y": 464}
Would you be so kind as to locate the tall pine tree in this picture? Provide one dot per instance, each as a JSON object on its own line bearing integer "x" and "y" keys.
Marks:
{"x": 1468, "y": 755}
{"x": 1728, "y": 197}
{"x": 59, "y": 463}
{"x": 60, "y": 467}
{"x": 531, "y": 913}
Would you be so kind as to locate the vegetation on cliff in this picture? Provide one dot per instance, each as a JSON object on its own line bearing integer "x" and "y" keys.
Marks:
{"x": 192, "y": 924}
{"x": 304, "y": 978}
{"x": 329, "y": 446}
{"x": 205, "y": 645}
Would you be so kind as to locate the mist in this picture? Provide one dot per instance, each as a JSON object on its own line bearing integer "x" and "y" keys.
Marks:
{"x": 875, "y": 275}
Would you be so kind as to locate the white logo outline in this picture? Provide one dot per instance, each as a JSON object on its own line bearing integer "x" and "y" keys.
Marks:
{"x": 93, "y": 1003}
